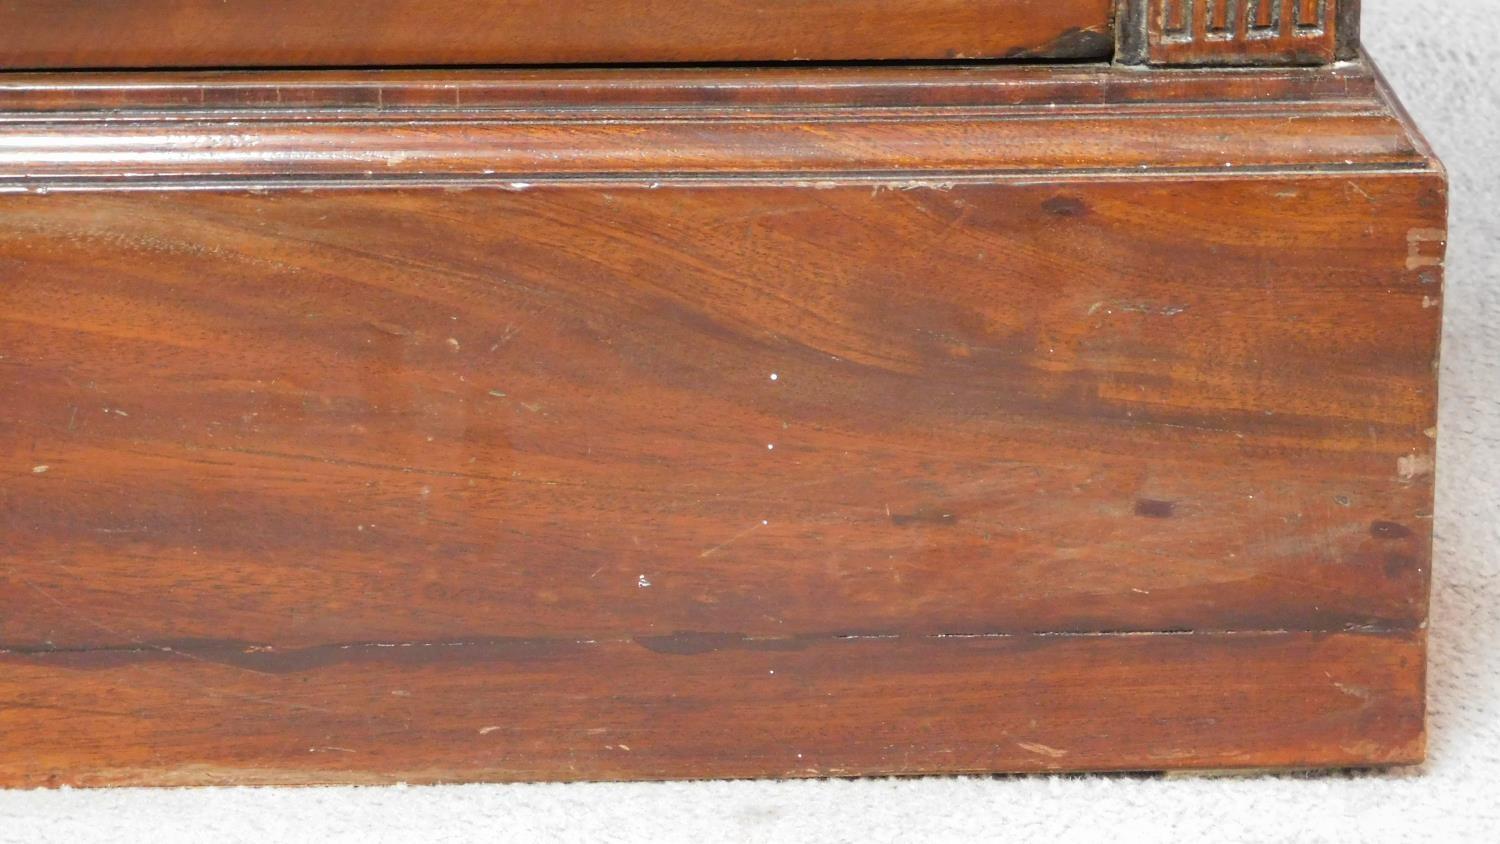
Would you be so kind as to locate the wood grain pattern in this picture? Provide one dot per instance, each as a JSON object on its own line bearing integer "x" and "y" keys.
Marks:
{"x": 363, "y": 33}
{"x": 1053, "y": 432}
{"x": 499, "y": 441}
{"x": 685, "y": 707}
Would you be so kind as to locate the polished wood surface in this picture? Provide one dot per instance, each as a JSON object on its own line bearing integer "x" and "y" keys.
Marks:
{"x": 978, "y": 420}
{"x": 707, "y": 706}
{"x": 420, "y": 127}
{"x": 357, "y": 33}
{"x": 519, "y": 404}
{"x": 415, "y": 94}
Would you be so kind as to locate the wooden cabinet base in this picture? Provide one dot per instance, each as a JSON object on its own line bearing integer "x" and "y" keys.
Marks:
{"x": 706, "y": 705}
{"x": 437, "y": 426}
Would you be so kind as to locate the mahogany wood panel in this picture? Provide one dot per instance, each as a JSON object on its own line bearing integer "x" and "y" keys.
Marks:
{"x": 995, "y": 408}
{"x": 353, "y": 33}
{"x": 705, "y": 706}
{"x": 910, "y": 431}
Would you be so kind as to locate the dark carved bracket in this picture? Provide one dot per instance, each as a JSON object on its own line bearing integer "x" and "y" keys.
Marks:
{"x": 1237, "y": 32}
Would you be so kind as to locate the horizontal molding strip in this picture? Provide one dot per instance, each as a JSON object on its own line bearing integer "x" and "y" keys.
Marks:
{"x": 569, "y": 89}
{"x": 32, "y": 152}
{"x": 108, "y": 130}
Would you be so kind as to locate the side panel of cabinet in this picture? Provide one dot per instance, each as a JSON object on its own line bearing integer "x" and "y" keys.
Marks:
{"x": 666, "y": 479}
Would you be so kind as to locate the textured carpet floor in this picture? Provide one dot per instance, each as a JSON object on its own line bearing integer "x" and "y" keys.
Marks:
{"x": 1441, "y": 55}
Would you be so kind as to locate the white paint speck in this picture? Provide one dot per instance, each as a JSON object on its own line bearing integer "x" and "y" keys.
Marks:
{"x": 453, "y": 343}
{"x": 642, "y": 582}
{"x": 775, "y": 377}
{"x": 39, "y": 470}
{"x": 770, "y": 446}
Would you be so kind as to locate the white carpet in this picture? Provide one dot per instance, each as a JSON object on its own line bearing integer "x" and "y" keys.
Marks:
{"x": 1441, "y": 55}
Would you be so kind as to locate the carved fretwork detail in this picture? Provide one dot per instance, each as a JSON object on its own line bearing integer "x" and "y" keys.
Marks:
{"x": 1236, "y": 32}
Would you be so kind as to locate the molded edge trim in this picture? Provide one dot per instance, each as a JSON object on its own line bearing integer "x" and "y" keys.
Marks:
{"x": 934, "y": 123}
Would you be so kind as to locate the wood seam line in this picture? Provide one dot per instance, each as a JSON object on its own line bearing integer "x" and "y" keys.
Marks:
{"x": 727, "y": 640}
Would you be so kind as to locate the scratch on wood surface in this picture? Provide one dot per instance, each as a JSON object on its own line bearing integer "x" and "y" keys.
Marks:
{"x": 1359, "y": 692}
{"x": 1148, "y": 308}
{"x": 733, "y": 539}
{"x": 1041, "y": 749}
{"x": 388, "y": 328}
